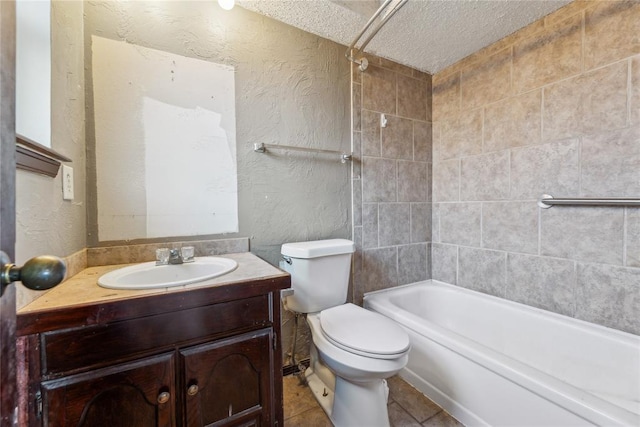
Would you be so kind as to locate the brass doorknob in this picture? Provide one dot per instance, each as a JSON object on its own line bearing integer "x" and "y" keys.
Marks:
{"x": 39, "y": 273}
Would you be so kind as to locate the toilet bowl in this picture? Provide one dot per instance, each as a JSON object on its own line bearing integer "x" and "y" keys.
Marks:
{"x": 353, "y": 350}
{"x": 355, "y": 388}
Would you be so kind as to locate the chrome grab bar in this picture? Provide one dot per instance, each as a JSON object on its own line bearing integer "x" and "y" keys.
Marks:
{"x": 546, "y": 201}
{"x": 260, "y": 147}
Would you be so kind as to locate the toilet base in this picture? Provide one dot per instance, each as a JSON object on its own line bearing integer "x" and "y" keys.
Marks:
{"x": 350, "y": 404}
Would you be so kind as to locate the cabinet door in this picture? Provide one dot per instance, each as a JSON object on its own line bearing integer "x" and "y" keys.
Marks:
{"x": 137, "y": 394}
{"x": 229, "y": 382}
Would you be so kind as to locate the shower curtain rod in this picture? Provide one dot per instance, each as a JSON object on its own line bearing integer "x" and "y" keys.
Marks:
{"x": 362, "y": 62}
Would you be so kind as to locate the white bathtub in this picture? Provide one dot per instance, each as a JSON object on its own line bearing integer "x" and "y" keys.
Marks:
{"x": 489, "y": 361}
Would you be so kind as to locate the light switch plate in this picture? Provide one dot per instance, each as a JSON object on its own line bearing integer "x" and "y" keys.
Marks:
{"x": 67, "y": 182}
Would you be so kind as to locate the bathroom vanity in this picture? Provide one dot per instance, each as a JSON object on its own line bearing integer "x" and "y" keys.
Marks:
{"x": 202, "y": 354}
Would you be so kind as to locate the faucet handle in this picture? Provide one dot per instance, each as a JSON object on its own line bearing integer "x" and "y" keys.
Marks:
{"x": 162, "y": 256}
{"x": 187, "y": 253}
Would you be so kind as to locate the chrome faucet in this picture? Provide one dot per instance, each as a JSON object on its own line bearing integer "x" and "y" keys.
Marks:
{"x": 174, "y": 256}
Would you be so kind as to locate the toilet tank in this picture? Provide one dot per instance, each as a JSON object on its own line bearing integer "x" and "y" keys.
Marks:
{"x": 319, "y": 273}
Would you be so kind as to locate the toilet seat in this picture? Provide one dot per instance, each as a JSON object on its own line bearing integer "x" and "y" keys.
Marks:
{"x": 362, "y": 332}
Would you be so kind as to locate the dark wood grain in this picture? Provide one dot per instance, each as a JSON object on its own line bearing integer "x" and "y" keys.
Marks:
{"x": 233, "y": 377}
{"x": 105, "y": 312}
{"x": 89, "y": 347}
{"x": 225, "y": 339}
{"x": 118, "y": 396}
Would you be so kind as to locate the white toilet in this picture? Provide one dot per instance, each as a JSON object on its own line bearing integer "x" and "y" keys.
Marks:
{"x": 354, "y": 350}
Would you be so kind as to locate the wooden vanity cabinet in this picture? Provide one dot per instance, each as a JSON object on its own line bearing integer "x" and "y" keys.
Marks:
{"x": 133, "y": 394}
{"x": 225, "y": 381}
{"x": 205, "y": 357}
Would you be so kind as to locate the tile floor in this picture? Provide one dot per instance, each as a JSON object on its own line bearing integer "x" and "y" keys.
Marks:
{"x": 407, "y": 407}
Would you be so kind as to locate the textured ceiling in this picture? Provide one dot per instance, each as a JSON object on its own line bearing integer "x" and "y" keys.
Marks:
{"x": 428, "y": 35}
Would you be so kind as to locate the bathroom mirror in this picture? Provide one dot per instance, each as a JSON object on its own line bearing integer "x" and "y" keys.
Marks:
{"x": 165, "y": 148}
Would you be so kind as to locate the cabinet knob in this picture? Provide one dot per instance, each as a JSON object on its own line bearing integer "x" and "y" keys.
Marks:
{"x": 192, "y": 390}
{"x": 163, "y": 397}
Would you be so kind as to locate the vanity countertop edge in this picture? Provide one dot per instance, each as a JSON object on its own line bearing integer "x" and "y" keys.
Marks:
{"x": 79, "y": 301}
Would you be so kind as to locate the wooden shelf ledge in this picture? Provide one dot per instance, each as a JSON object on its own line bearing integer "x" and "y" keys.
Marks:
{"x": 37, "y": 158}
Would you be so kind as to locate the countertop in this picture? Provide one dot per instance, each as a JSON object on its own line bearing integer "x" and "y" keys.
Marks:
{"x": 82, "y": 290}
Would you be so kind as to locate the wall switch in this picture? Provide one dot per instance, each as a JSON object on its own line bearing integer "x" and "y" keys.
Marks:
{"x": 67, "y": 182}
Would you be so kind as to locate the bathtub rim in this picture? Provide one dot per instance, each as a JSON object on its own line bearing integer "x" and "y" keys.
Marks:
{"x": 544, "y": 385}
{"x": 627, "y": 336}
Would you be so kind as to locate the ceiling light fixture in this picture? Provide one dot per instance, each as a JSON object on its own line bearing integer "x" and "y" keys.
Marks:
{"x": 226, "y": 4}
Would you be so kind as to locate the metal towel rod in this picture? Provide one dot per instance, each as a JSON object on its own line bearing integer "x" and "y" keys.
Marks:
{"x": 260, "y": 147}
{"x": 546, "y": 201}
{"x": 362, "y": 62}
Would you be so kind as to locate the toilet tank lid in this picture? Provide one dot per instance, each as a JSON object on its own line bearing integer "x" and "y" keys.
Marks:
{"x": 318, "y": 248}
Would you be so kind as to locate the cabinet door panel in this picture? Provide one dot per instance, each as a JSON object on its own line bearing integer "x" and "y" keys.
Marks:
{"x": 119, "y": 396}
{"x": 233, "y": 380}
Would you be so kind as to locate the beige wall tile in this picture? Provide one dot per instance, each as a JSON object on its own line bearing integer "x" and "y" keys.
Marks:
{"x": 379, "y": 90}
{"x": 513, "y": 122}
{"x": 461, "y": 136}
{"x": 482, "y": 270}
{"x": 380, "y": 268}
{"x": 370, "y": 133}
{"x": 379, "y": 178}
{"x": 486, "y": 81}
{"x": 422, "y": 137}
{"x": 394, "y": 223}
{"x": 611, "y": 164}
{"x": 412, "y": 98}
{"x": 421, "y": 75}
{"x": 546, "y": 283}
{"x": 446, "y": 95}
{"x": 548, "y": 56}
{"x": 397, "y": 138}
{"x": 510, "y": 226}
{"x": 633, "y": 238}
{"x": 635, "y": 90}
{"x": 586, "y": 104}
{"x": 612, "y": 31}
{"x": 552, "y": 168}
{"x": 394, "y": 66}
{"x": 444, "y": 262}
{"x": 595, "y": 234}
{"x": 485, "y": 177}
{"x": 460, "y": 223}
{"x": 412, "y": 181}
{"x": 446, "y": 181}
{"x": 573, "y": 8}
{"x": 609, "y": 295}
{"x": 76, "y": 262}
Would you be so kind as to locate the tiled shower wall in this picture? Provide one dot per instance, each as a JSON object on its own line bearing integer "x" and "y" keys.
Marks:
{"x": 391, "y": 176}
{"x": 555, "y": 109}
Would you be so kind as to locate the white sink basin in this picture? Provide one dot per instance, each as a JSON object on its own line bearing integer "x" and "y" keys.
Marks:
{"x": 149, "y": 275}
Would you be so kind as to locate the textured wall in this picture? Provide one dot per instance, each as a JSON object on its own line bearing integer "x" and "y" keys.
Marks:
{"x": 554, "y": 108}
{"x": 391, "y": 176}
{"x": 291, "y": 88}
{"x": 46, "y": 224}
